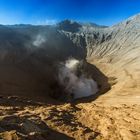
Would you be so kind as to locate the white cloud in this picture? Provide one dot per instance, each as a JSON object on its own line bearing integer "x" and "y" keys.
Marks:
{"x": 47, "y": 22}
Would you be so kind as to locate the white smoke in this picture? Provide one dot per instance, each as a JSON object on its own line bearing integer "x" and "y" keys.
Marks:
{"x": 77, "y": 86}
{"x": 40, "y": 39}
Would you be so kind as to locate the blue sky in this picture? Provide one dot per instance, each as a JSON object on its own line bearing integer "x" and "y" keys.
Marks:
{"x": 104, "y": 12}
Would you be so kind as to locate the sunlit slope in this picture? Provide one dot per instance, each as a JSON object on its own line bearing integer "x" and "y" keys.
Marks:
{"x": 117, "y": 54}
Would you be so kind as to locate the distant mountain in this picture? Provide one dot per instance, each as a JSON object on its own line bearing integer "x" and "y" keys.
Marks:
{"x": 90, "y": 24}
{"x": 73, "y": 26}
{"x": 68, "y": 25}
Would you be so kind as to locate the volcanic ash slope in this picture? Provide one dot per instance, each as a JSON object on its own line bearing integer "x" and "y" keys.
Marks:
{"x": 118, "y": 56}
{"x": 114, "y": 115}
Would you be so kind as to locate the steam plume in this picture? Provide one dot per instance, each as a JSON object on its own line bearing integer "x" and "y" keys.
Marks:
{"x": 39, "y": 40}
{"x": 76, "y": 86}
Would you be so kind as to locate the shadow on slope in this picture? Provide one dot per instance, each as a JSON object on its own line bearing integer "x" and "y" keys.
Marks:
{"x": 27, "y": 126}
{"x": 100, "y": 78}
{"x": 43, "y": 87}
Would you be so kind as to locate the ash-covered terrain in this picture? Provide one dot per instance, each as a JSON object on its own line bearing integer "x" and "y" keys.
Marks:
{"x": 70, "y": 81}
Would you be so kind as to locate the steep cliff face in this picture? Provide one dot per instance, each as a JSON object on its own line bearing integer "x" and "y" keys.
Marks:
{"x": 110, "y": 42}
{"x": 117, "y": 41}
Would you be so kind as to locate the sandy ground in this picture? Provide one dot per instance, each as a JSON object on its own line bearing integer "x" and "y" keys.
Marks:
{"x": 24, "y": 119}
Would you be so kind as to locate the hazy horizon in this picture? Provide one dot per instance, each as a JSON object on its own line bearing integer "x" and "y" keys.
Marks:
{"x": 44, "y": 12}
